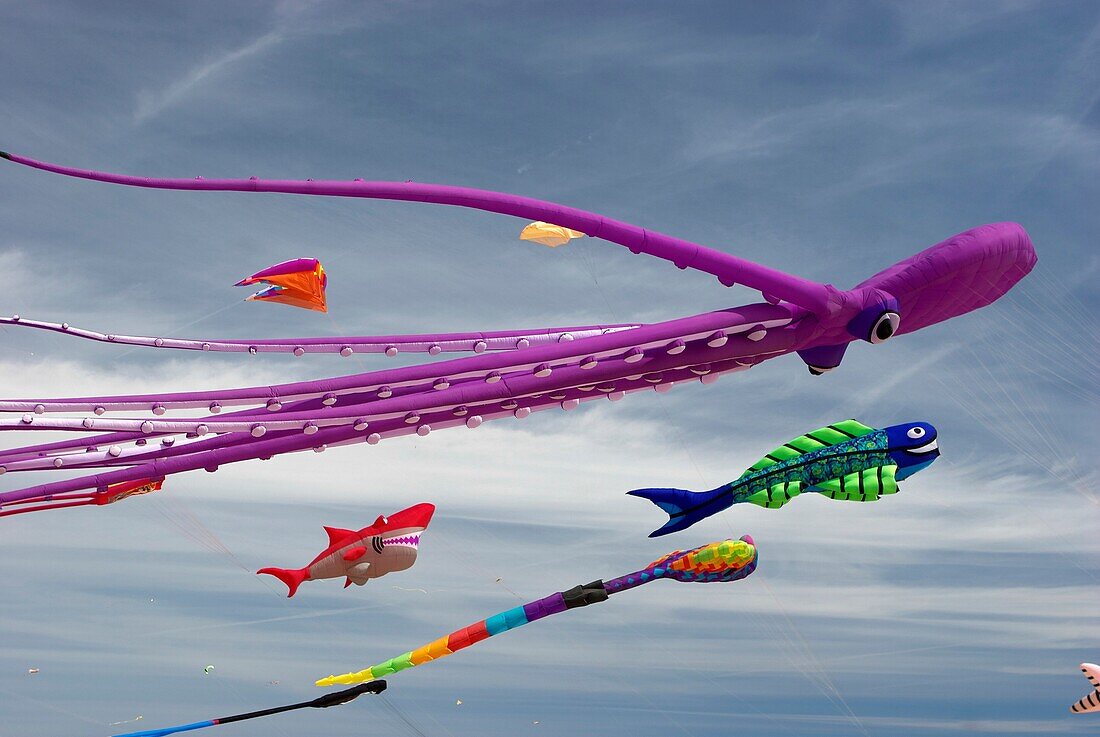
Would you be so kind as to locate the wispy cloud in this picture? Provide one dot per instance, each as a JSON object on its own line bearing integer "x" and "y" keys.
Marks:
{"x": 151, "y": 103}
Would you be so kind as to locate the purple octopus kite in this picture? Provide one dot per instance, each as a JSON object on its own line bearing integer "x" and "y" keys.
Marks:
{"x": 516, "y": 373}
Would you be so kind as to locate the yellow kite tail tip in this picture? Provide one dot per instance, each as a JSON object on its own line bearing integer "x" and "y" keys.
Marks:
{"x": 346, "y": 679}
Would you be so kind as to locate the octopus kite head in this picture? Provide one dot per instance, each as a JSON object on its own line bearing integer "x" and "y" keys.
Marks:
{"x": 963, "y": 273}
{"x": 912, "y": 446}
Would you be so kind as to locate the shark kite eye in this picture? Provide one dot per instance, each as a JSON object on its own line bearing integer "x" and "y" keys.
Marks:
{"x": 916, "y": 432}
{"x": 885, "y": 327}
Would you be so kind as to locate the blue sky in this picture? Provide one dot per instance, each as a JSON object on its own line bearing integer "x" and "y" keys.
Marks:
{"x": 829, "y": 140}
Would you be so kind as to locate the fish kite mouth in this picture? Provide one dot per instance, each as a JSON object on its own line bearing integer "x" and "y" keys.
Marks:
{"x": 408, "y": 541}
{"x": 920, "y": 450}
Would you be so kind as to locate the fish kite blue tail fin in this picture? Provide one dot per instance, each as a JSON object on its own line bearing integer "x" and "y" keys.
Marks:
{"x": 684, "y": 508}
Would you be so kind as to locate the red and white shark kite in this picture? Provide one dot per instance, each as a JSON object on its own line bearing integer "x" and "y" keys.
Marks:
{"x": 390, "y": 544}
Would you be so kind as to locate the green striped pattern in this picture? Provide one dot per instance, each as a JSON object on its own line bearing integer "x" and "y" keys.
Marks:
{"x": 841, "y": 432}
{"x": 862, "y": 486}
{"x": 841, "y": 460}
{"x": 777, "y": 495}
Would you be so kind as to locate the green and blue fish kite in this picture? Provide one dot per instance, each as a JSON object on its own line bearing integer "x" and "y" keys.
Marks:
{"x": 847, "y": 460}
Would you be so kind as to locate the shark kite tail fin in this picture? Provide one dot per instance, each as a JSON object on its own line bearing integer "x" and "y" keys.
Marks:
{"x": 684, "y": 508}
{"x": 292, "y": 577}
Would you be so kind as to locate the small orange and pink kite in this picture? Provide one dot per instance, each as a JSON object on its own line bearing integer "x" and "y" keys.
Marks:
{"x": 300, "y": 282}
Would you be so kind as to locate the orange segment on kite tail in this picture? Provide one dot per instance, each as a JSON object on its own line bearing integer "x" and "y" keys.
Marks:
{"x": 299, "y": 283}
{"x": 438, "y": 649}
{"x": 549, "y": 234}
{"x": 420, "y": 655}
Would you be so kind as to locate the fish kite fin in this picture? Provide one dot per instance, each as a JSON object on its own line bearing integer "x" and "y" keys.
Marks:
{"x": 684, "y": 508}
{"x": 358, "y": 574}
{"x": 776, "y": 495}
{"x": 1091, "y": 702}
{"x": 347, "y": 582}
{"x": 1092, "y": 672}
{"x": 862, "y": 486}
{"x": 336, "y": 534}
{"x": 824, "y": 437}
{"x": 291, "y": 577}
{"x": 355, "y": 553}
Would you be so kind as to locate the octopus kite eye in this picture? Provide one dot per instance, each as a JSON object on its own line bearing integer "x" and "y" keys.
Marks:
{"x": 885, "y": 327}
{"x": 916, "y": 432}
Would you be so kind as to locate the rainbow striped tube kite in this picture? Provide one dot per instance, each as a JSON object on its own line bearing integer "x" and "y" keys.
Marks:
{"x": 729, "y": 560}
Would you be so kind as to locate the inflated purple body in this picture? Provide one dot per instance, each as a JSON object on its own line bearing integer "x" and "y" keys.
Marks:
{"x": 517, "y": 372}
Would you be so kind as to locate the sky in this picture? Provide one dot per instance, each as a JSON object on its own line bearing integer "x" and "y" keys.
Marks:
{"x": 829, "y": 140}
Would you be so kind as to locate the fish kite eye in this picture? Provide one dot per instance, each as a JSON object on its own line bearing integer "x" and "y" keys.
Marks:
{"x": 915, "y": 432}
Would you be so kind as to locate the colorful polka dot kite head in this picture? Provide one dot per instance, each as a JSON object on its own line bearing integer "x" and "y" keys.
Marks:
{"x": 729, "y": 560}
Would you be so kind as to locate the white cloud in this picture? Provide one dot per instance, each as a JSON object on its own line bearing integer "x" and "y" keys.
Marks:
{"x": 152, "y": 103}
